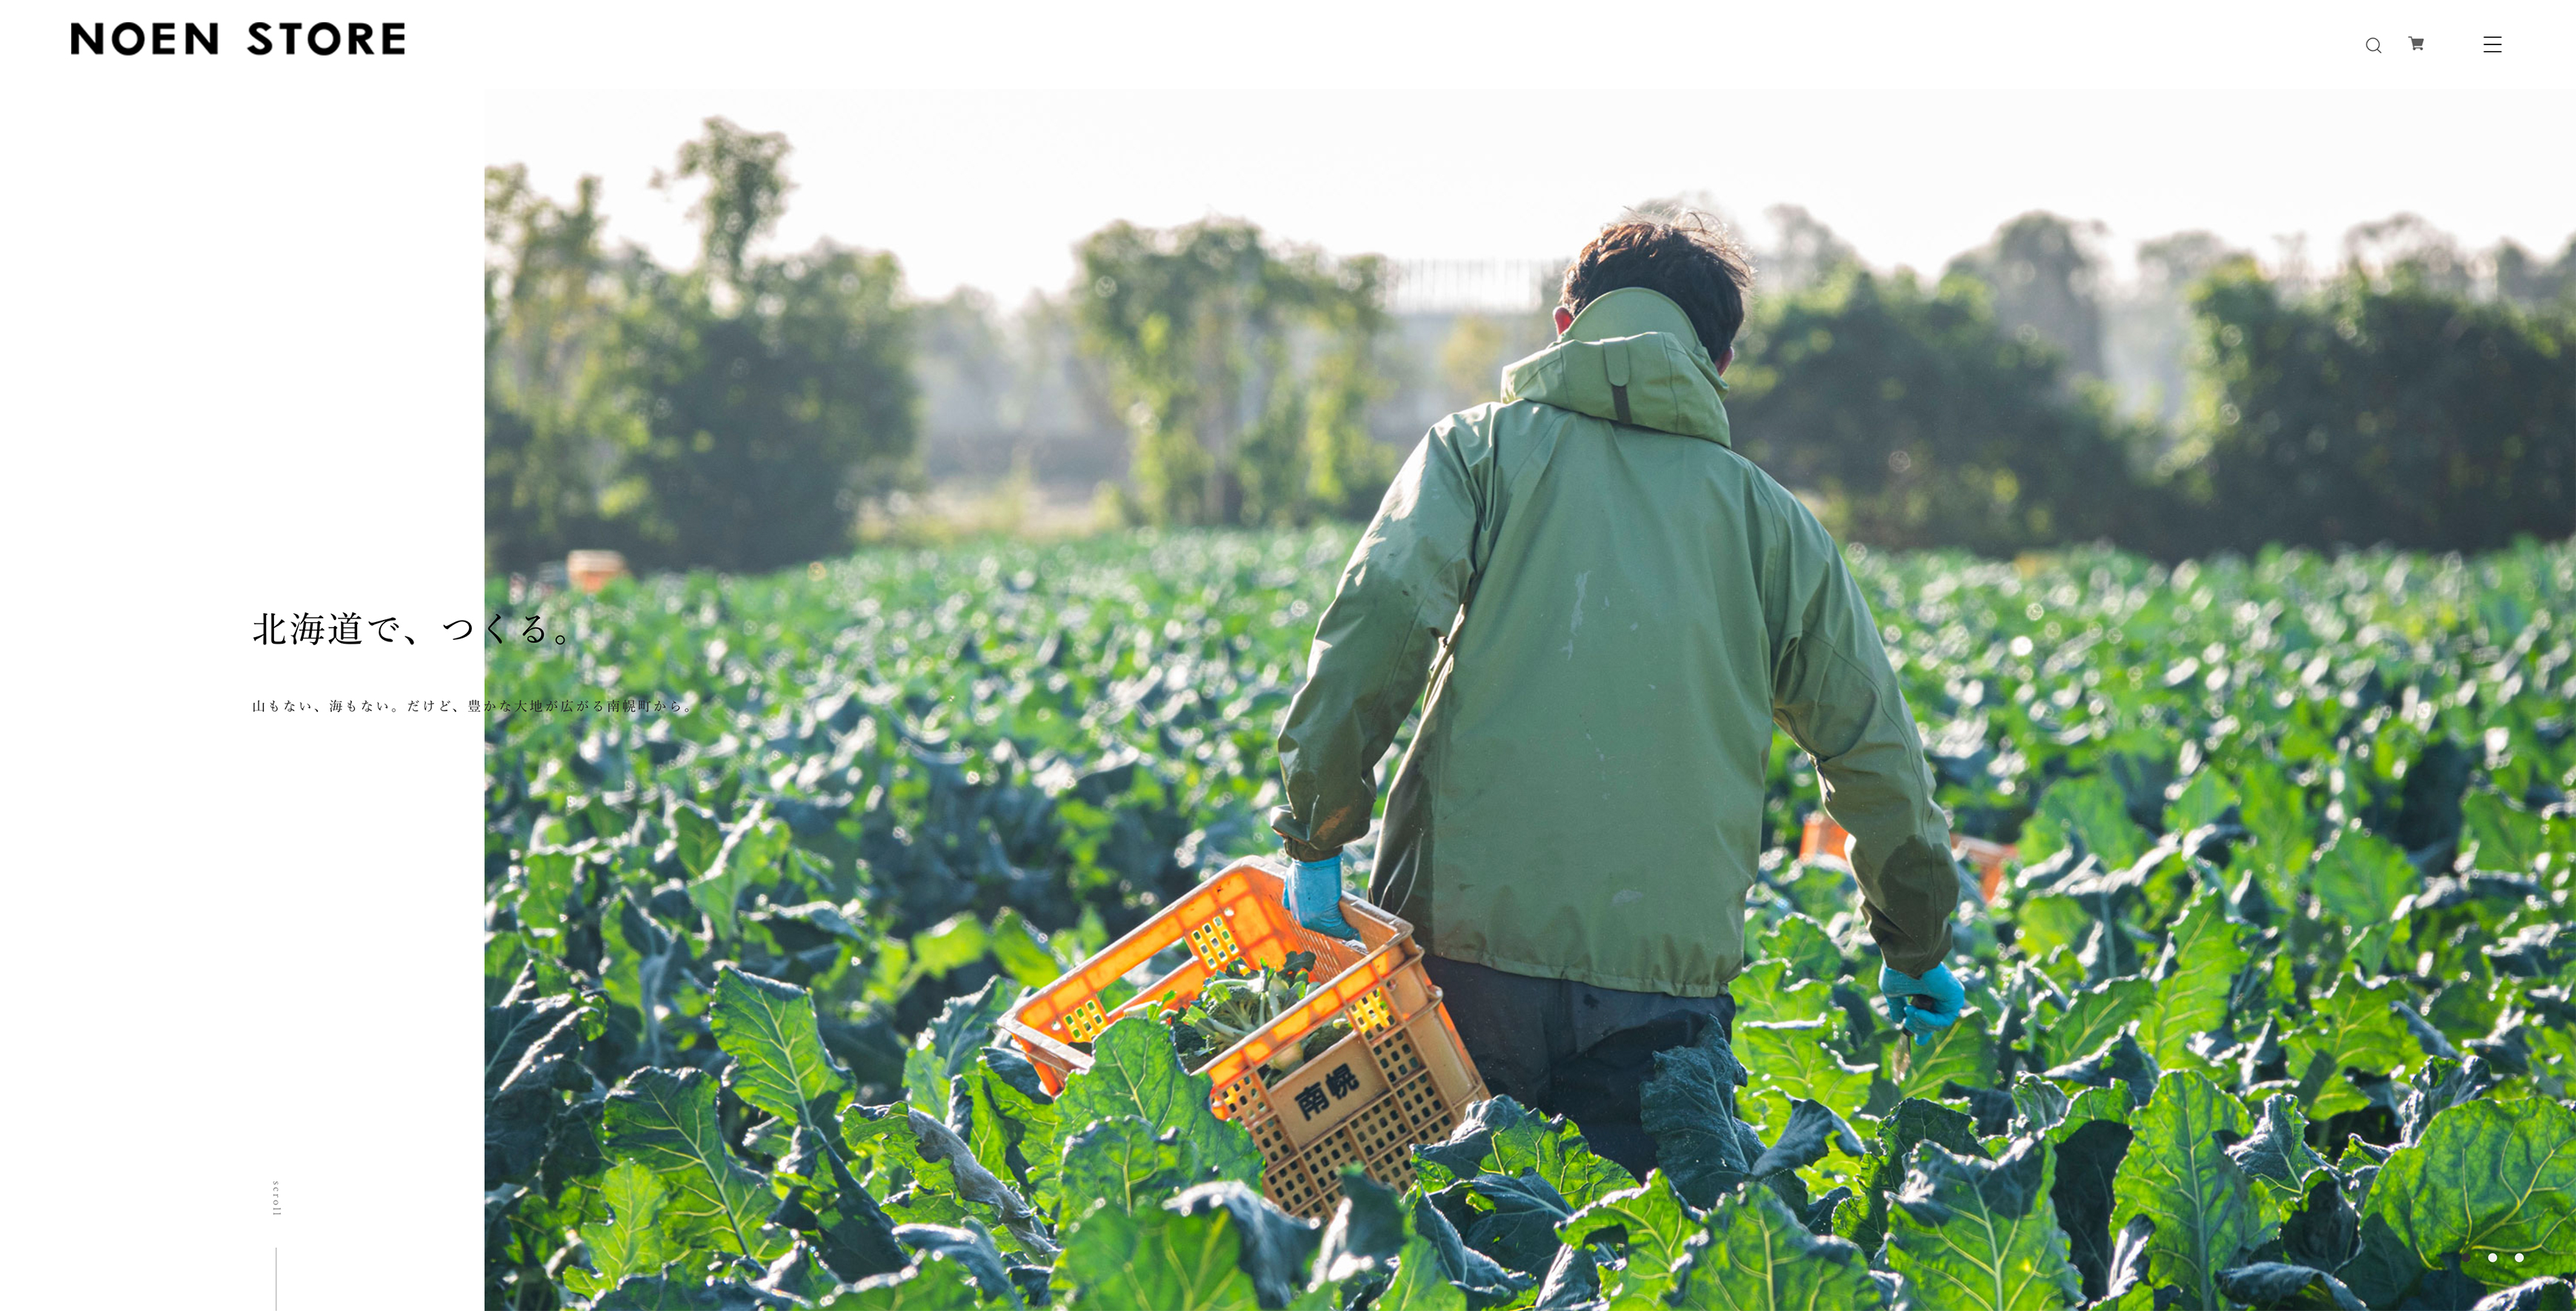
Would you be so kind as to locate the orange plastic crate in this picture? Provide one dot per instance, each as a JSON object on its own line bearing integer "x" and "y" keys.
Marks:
{"x": 1400, "y": 1077}
{"x": 1825, "y": 841}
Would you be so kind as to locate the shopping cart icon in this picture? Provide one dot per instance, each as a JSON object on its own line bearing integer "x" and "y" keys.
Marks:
{"x": 2419, "y": 41}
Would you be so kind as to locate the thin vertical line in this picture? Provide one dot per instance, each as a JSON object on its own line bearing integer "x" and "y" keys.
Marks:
{"x": 272, "y": 1279}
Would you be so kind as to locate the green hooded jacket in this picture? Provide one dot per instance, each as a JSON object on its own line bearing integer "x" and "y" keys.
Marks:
{"x": 1583, "y": 799}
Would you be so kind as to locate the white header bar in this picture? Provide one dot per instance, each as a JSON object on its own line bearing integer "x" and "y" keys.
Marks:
{"x": 1537, "y": 52}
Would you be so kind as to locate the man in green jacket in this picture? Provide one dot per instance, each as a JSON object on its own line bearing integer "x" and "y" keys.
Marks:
{"x": 1619, "y": 608}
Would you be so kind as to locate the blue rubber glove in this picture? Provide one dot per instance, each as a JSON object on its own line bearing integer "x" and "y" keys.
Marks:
{"x": 1923, "y": 1005}
{"x": 1314, "y": 896}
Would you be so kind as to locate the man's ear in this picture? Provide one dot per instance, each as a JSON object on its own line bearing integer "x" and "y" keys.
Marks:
{"x": 1564, "y": 320}
{"x": 1725, "y": 358}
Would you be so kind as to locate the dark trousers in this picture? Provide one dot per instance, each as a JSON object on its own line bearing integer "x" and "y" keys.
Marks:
{"x": 1572, "y": 1049}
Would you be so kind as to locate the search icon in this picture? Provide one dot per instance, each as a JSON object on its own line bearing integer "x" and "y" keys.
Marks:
{"x": 2373, "y": 43}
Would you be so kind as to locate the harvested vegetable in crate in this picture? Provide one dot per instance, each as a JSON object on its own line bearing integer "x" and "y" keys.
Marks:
{"x": 1237, "y": 1003}
{"x": 1338, "y": 1054}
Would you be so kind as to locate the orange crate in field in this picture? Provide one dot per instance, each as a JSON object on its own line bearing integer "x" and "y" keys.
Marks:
{"x": 1400, "y": 1077}
{"x": 1825, "y": 840}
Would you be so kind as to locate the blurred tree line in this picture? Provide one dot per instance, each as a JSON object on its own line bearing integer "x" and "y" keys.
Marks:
{"x": 1245, "y": 369}
{"x": 740, "y": 413}
{"x": 2416, "y": 395}
{"x": 730, "y": 415}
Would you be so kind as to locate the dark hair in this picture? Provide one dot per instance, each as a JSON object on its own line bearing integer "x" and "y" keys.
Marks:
{"x": 1688, "y": 257}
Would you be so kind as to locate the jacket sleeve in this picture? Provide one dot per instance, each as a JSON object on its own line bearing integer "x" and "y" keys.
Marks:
{"x": 1373, "y": 647}
{"x": 1835, "y": 695}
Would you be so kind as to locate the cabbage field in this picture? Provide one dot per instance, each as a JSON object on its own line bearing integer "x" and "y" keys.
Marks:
{"x": 2274, "y": 1009}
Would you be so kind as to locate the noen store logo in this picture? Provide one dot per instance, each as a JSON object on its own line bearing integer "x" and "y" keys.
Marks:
{"x": 136, "y": 38}
{"x": 101, "y": 38}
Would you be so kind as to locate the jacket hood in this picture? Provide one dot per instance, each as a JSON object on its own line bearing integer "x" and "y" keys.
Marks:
{"x": 1630, "y": 357}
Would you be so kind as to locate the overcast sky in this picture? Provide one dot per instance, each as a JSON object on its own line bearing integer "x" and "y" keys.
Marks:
{"x": 992, "y": 189}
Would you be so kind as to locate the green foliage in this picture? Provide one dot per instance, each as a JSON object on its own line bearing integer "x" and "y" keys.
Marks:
{"x": 1022, "y": 953}
{"x": 1795, "y": 1060}
{"x": 2090, "y": 814}
{"x": 2401, "y": 413}
{"x": 1970, "y": 1233}
{"x": 1912, "y": 1123}
{"x": 2275, "y": 1284}
{"x": 1755, "y": 1253}
{"x": 2350, "y": 1028}
{"x": 1135, "y": 1073}
{"x": 550, "y": 414}
{"x": 771, "y": 404}
{"x": 1236, "y": 1003}
{"x": 668, "y": 1122}
{"x": 1274, "y": 1248}
{"x": 948, "y": 1046}
{"x": 2493, "y": 1184}
{"x": 2179, "y": 1175}
{"x": 660, "y": 1293}
{"x": 1919, "y": 420}
{"x": 2093, "y": 1017}
{"x": 2056, "y": 1111}
{"x": 2394, "y": 408}
{"x": 1501, "y": 1137}
{"x": 1690, "y": 1106}
{"x": 1804, "y": 947}
{"x": 746, "y": 177}
{"x": 1012, "y": 1126}
{"x": 1651, "y": 1226}
{"x": 1515, "y": 1219}
{"x": 1201, "y": 328}
{"x": 2043, "y": 276}
{"x": 746, "y": 950}
{"x": 1420, "y": 1282}
{"x": 1157, "y": 1257}
{"x": 1963, "y": 1054}
{"x": 2361, "y": 878}
{"x": 2194, "y": 979}
{"x": 1771, "y": 992}
{"x": 2204, "y": 799}
{"x": 2278, "y": 1159}
{"x": 930, "y": 1286}
{"x": 732, "y": 415}
{"x": 1123, "y": 1162}
{"x": 629, "y": 1241}
{"x": 768, "y": 1028}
